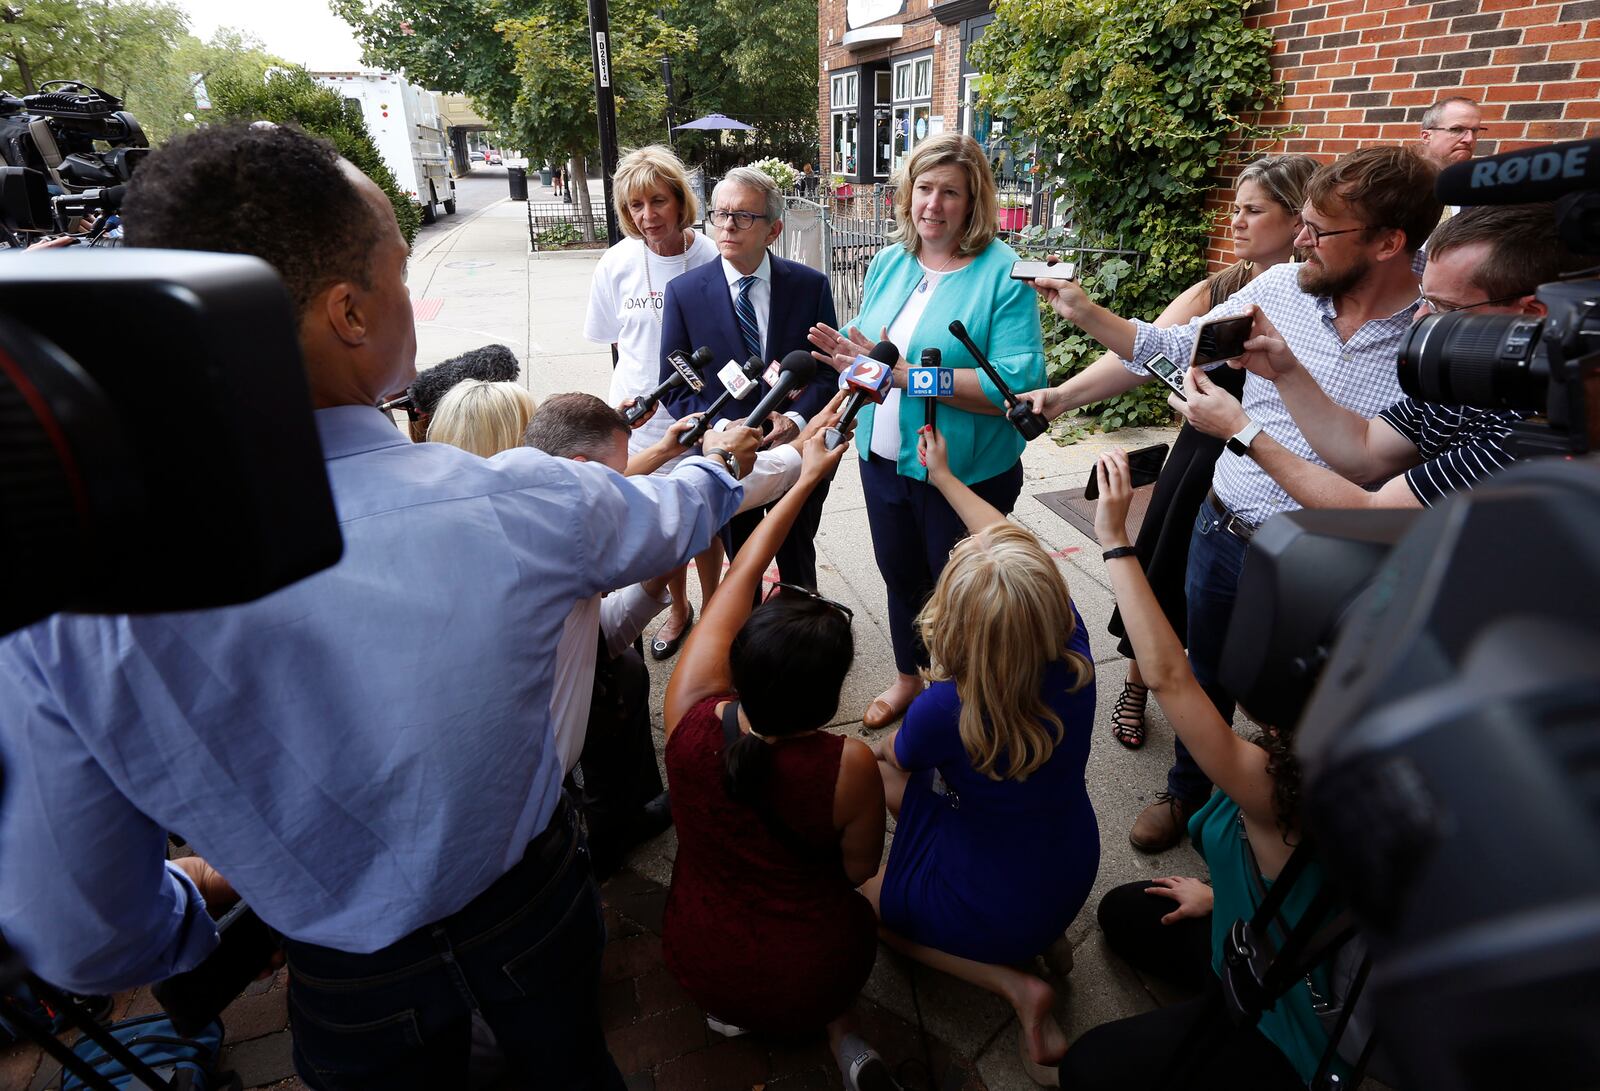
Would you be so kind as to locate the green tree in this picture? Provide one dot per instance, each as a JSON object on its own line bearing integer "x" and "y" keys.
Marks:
{"x": 755, "y": 61}
{"x": 162, "y": 95}
{"x": 1139, "y": 103}
{"x": 108, "y": 43}
{"x": 293, "y": 98}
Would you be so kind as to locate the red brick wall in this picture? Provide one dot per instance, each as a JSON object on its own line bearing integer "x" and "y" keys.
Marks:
{"x": 920, "y": 29}
{"x": 1361, "y": 72}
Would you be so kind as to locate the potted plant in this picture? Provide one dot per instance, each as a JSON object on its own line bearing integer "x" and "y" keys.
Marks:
{"x": 841, "y": 186}
{"x": 782, "y": 174}
{"x": 1013, "y": 212}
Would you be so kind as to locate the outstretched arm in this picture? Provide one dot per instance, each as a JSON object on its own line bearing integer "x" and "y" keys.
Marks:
{"x": 703, "y": 669}
{"x": 1236, "y": 766}
{"x": 976, "y": 512}
{"x": 1215, "y": 412}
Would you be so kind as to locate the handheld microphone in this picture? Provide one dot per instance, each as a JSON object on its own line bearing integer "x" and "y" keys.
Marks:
{"x": 868, "y": 378}
{"x": 685, "y": 372}
{"x": 797, "y": 369}
{"x": 737, "y": 382}
{"x": 491, "y": 363}
{"x": 1026, "y": 421}
{"x": 1522, "y": 177}
{"x": 930, "y": 382}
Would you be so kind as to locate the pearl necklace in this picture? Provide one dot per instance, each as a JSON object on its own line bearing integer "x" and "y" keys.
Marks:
{"x": 683, "y": 267}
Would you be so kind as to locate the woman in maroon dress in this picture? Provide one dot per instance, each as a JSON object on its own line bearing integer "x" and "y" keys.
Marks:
{"x": 778, "y": 821}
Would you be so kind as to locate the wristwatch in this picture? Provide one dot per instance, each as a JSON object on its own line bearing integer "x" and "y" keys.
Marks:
{"x": 727, "y": 459}
{"x": 1239, "y": 442}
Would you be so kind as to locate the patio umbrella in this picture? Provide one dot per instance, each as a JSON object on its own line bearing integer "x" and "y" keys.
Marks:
{"x": 714, "y": 121}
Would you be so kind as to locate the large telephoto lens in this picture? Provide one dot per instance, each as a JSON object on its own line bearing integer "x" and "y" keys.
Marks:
{"x": 1484, "y": 360}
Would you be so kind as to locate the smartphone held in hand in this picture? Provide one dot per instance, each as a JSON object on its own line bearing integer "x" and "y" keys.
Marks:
{"x": 1144, "y": 466}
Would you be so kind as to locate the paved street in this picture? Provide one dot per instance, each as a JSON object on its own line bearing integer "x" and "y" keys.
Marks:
{"x": 474, "y": 282}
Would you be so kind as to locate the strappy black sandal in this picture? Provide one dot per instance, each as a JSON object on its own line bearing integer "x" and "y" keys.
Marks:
{"x": 1127, "y": 715}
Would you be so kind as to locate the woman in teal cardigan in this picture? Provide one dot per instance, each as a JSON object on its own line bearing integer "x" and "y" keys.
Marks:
{"x": 944, "y": 263}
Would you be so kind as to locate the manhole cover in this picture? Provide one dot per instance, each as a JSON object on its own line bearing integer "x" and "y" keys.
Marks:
{"x": 467, "y": 264}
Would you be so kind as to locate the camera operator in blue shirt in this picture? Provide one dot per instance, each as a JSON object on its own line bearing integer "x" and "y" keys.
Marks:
{"x": 365, "y": 755}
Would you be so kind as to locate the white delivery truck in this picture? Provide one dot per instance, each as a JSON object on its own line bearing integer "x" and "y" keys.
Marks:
{"x": 405, "y": 124}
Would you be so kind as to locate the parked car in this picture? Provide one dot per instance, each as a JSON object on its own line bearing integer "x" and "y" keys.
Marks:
{"x": 476, "y": 156}
{"x": 493, "y": 158}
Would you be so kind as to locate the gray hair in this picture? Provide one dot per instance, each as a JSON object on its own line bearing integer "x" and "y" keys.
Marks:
{"x": 1435, "y": 113}
{"x": 758, "y": 181}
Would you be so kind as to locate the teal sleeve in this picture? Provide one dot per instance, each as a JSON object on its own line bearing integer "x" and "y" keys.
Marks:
{"x": 1016, "y": 340}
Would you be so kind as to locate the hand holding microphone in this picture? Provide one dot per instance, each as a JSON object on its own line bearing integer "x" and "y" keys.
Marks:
{"x": 867, "y": 378}
{"x": 794, "y": 373}
{"x": 686, "y": 371}
{"x": 738, "y": 382}
{"x": 1018, "y": 412}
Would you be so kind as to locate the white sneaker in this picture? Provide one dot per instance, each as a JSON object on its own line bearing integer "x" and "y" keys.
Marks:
{"x": 862, "y": 1067}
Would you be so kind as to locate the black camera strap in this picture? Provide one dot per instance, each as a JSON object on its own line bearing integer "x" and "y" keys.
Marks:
{"x": 42, "y": 1036}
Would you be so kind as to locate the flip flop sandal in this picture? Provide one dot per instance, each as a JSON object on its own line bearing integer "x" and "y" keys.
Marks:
{"x": 1127, "y": 715}
{"x": 666, "y": 649}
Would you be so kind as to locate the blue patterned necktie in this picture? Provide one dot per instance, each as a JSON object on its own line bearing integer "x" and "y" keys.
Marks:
{"x": 747, "y": 316}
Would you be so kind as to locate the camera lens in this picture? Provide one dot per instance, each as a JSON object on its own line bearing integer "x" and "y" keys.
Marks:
{"x": 1484, "y": 360}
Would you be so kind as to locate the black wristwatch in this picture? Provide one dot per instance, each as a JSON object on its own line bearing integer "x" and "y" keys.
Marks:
{"x": 728, "y": 461}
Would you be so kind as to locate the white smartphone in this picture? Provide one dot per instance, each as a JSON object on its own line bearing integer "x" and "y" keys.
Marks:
{"x": 1168, "y": 372}
{"x": 1033, "y": 270}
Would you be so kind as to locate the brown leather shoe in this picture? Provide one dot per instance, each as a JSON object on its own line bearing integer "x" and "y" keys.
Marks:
{"x": 880, "y": 714}
{"x": 1161, "y": 825}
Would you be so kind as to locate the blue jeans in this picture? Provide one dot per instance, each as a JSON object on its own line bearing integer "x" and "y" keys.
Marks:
{"x": 525, "y": 954}
{"x": 1210, "y": 586}
{"x": 913, "y": 531}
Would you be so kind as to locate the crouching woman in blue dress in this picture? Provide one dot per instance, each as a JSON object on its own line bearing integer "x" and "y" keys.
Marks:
{"x": 996, "y": 844}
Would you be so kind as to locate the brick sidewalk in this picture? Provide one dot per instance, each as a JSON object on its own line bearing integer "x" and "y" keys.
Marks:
{"x": 657, "y": 1035}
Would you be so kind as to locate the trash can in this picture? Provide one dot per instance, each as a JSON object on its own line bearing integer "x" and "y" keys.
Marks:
{"x": 546, "y": 175}
{"x": 519, "y": 183}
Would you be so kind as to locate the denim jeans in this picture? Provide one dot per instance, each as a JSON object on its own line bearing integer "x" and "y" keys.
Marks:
{"x": 1212, "y": 583}
{"x": 525, "y": 954}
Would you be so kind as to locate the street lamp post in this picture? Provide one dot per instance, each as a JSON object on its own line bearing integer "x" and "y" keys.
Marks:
{"x": 605, "y": 101}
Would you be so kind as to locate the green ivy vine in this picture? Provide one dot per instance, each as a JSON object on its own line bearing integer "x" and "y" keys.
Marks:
{"x": 1130, "y": 107}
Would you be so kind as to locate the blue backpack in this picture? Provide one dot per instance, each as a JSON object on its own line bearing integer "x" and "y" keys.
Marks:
{"x": 187, "y": 1064}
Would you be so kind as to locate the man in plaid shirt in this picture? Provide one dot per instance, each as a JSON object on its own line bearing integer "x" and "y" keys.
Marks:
{"x": 1486, "y": 260}
{"x": 1343, "y": 312}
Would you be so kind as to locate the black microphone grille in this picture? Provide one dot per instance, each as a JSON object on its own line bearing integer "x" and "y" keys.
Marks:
{"x": 701, "y": 358}
{"x": 885, "y": 352}
{"x": 800, "y": 364}
{"x": 932, "y": 357}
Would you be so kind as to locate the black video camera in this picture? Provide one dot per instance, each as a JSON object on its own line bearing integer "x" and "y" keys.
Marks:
{"x": 52, "y": 140}
{"x": 1544, "y": 366}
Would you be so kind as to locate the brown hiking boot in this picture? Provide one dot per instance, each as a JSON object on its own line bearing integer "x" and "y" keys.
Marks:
{"x": 1161, "y": 825}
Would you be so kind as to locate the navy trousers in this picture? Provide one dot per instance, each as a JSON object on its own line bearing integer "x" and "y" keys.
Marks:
{"x": 913, "y": 532}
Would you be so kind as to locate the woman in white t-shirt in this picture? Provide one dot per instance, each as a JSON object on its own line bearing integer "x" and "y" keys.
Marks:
{"x": 655, "y": 206}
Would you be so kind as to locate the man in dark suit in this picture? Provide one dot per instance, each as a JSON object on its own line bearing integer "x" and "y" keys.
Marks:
{"x": 753, "y": 303}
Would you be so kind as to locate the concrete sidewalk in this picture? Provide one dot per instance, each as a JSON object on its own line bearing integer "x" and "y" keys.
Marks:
{"x": 490, "y": 288}
{"x": 474, "y": 282}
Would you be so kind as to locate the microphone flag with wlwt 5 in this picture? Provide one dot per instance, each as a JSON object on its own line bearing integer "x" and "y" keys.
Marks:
{"x": 868, "y": 378}
{"x": 737, "y": 382}
{"x": 796, "y": 371}
{"x": 1029, "y": 423}
{"x": 686, "y": 371}
{"x": 931, "y": 382}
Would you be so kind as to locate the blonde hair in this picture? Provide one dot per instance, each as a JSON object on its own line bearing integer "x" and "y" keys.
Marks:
{"x": 944, "y": 150}
{"x": 484, "y": 418}
{"x": 645, "y": 169}
{"x": 999, "y": 615}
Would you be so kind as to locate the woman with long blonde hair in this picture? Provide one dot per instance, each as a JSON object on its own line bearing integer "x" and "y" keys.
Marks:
{"x": 481, "y": 417}
{"x": 996, "y": 845}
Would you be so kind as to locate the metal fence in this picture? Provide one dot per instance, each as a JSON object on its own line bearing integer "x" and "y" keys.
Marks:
{"x": 556, "y": 225}
{"x": 838, "y": 233}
